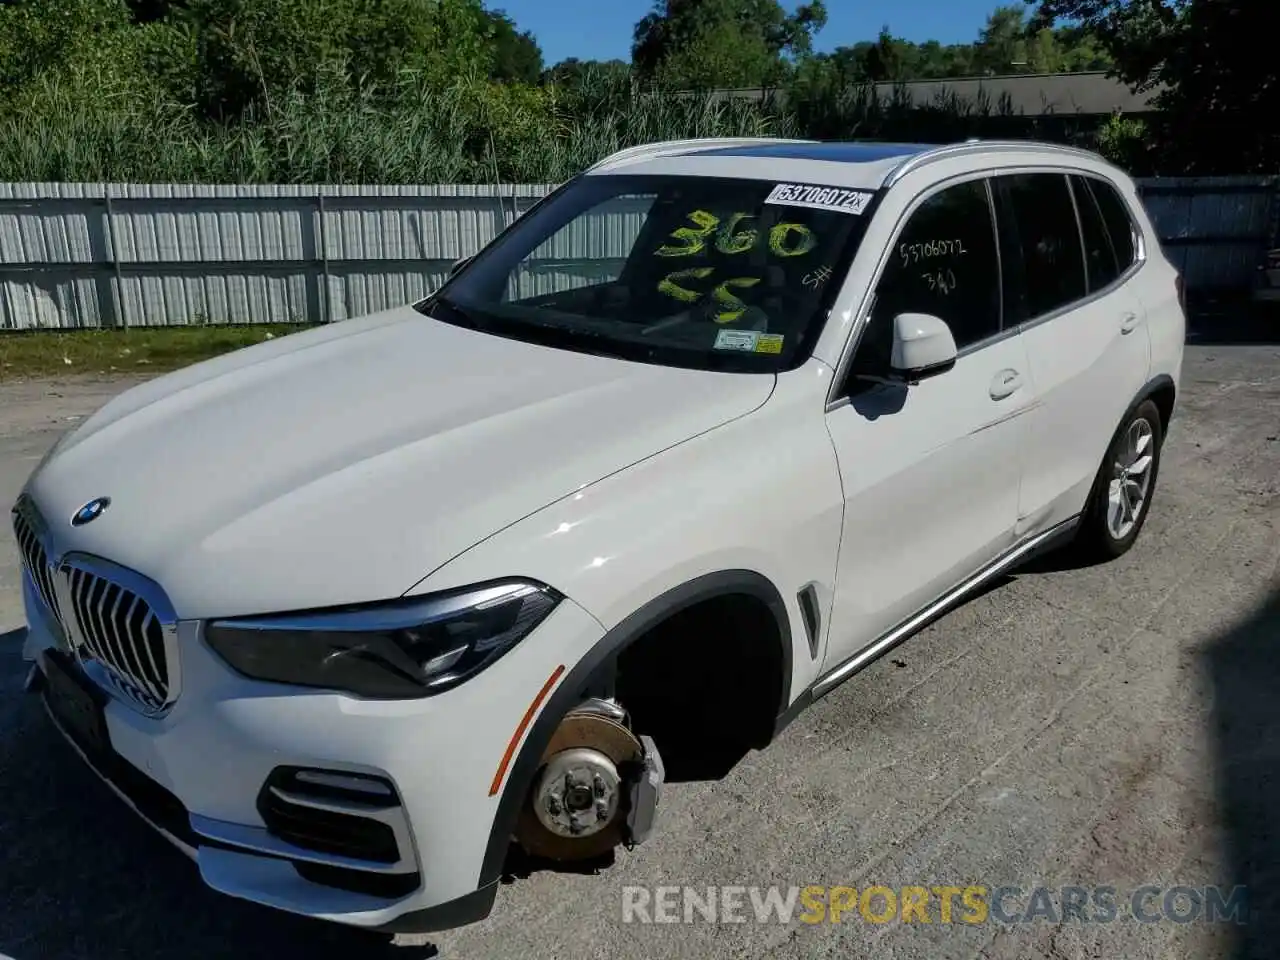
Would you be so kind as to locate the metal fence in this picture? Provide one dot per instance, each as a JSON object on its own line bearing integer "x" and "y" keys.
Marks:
{"x": 97, "y": 255}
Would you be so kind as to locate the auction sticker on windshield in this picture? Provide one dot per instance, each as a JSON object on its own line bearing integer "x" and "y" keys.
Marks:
{"x": 838, "y": 199}
{"x": 749, "y": 341}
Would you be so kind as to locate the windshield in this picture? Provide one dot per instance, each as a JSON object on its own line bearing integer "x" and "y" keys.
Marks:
{"x": 719, "y": 274}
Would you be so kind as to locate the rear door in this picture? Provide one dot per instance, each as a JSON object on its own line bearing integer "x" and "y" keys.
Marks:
{"x": 1088, "y": 350}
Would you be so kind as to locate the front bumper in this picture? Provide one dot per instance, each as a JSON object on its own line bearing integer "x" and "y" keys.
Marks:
{"x": 199, "y": 773}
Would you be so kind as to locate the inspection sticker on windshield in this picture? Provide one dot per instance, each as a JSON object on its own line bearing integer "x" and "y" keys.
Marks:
{"x": 749, "y": 341}
{"x": 820, "y": 198}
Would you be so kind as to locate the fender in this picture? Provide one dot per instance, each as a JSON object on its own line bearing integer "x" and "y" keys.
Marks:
{"x": 1153, "y": 386}
{"x": 588, "y": 671}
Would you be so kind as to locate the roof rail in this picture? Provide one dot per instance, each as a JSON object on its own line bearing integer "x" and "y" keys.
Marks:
{"x": 971, "y": 146}
{"x": 670, "y": 148}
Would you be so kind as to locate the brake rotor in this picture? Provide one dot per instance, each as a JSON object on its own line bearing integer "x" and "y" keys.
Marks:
{"x": 576, "y": 809}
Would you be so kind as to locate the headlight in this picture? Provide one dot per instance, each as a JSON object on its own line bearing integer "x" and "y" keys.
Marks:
{"x": 389, "y": 651}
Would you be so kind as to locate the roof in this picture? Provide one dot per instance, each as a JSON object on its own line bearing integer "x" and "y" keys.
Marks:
{"x": 837, "y": 165}
{"x": 838, "y": 151}
{"x": 865, "y": 165}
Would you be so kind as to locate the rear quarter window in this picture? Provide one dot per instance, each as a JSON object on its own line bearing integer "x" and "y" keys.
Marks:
{"x": 1121, "y": 229}
{"x": 1099, "y": 252}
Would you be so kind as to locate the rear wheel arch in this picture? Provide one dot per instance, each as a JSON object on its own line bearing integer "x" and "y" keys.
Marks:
{"x": 1163, "y": 392}
{"x": 590, "y": 675}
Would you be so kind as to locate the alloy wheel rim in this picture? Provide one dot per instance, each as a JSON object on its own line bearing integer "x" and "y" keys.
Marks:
{"x": 1130, "y": 479}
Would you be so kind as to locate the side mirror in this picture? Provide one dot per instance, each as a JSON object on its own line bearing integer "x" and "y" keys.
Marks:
{"x": 458, "y": 265}
{"x": 923, "y": 346}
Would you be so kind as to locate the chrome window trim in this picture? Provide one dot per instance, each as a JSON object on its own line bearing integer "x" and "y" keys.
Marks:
{"x": 995, "y": 238}
{"x": 1084, "y": 250}
{"x": 1092, "y": 298}
{"x": 971, "y": 147}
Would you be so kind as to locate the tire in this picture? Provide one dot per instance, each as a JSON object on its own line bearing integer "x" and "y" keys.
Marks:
{"x": 1112, "y": 520}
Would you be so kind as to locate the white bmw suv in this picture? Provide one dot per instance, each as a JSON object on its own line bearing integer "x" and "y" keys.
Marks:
{"x": 355, "y": 615}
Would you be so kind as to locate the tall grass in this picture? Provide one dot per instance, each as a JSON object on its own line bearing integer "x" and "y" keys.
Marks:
{"x": 87, "y": 123}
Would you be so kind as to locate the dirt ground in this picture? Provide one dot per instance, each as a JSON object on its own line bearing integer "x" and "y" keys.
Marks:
{"x": 1115, "y": 726}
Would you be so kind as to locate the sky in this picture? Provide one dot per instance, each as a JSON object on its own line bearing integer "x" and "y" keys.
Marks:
{"x": 601, "y": 29}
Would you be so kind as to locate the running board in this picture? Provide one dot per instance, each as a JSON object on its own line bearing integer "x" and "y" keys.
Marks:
{"x": 1040, "y": 543}
{"x": 828, "y": 682}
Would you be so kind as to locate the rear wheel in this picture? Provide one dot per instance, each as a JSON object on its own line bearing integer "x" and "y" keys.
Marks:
{"x": 1122, "y": 491}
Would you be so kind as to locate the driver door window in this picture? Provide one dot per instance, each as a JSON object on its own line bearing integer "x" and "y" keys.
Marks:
{"x": 944, "y": 262}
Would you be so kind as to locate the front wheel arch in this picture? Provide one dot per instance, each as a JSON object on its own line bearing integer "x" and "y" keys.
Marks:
{"x": 584, "y": 679}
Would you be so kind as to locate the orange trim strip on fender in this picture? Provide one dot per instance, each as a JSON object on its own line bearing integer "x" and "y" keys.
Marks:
{"x": 515, "y": 737}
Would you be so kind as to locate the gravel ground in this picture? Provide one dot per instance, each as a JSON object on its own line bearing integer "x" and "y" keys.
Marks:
{"x": 1116, "y": 725}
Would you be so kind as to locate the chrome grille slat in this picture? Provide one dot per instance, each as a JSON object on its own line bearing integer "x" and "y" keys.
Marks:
{"x": 152, "y": 674}
{"x": 80, "y": 585}
{"x": 37, "y": 563}
{"x": 84, "y": 614}
{"x": 153, "y": 644}
{"x": 95, "y": 630}
{"x": 118, "y": 623}
{"x": 110, "y": 602}
{"x": 148, "y": 672}
{"x": 107, "y": 605}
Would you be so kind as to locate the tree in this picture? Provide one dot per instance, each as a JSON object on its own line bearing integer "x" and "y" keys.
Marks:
{"x": 1219, "y": 86}
{"x": 723, "y": 43}
{"x": 889, "y": 59}
{"x": 516, "y": 56}
{"x": 1002, "y": 44}
{"x": 149, "y": 11}
{"x": 1134, "y": 35}
{"x": 251, "y": 52}
{"x": 38, "y": 35}
{"x": 1219, "y": 97}
{"x": 573, "y": 72}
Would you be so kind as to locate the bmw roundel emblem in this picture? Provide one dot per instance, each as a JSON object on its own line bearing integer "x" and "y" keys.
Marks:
{"x": 90, "y": 511}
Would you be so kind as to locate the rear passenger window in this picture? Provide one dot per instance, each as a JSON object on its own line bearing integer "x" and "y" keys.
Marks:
{"x": 1043, "y": 218}
{"x": 1115, "y": 214}
{"x": 1099, "y": 256}
{"x": 944, "y": 263}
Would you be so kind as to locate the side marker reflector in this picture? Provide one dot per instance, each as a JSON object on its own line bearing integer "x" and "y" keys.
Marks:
{"x": 524, "y": 725}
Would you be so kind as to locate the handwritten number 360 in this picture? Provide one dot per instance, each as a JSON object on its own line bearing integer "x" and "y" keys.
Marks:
{"x": 785, "y": 239}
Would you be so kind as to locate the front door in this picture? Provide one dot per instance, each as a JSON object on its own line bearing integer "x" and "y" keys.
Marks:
{"x": 930, "y": 470}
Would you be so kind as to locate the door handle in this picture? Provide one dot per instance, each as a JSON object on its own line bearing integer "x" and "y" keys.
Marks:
{"x": 1006, "y": 383}
{"x": 1128, "y": 323}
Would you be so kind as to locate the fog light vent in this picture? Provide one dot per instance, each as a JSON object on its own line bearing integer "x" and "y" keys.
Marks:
{"x": 333, "y": 812}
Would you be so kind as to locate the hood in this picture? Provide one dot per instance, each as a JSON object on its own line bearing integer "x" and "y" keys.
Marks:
{"x": 343, "y": 464}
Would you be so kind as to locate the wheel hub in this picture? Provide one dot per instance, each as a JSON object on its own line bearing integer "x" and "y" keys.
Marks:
{"x": 578, "y": 793}
{"x": 1130, "y": 479}
{"x": 576, "y": 810}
